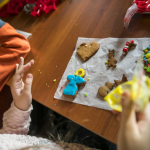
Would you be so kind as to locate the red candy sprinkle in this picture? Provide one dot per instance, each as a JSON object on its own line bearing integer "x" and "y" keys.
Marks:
{"x": 61, "y": 87}
{"x": 127, "y": 43}
{"x": 132, "y": 41}
{"x": 125, "y": 49}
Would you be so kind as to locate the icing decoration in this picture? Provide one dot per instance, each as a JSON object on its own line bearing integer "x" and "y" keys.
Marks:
{"x": 85, "y": 95}
{"x": 54, "y": 80}
{"x": 71, "y": 88}
{"x": 80, "y": 72}
{"x": 146, "y": 59}
{"x": 129, "y": 44}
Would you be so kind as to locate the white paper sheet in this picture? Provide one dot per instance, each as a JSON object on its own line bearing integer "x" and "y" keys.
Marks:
{"x": 26, "y": 34}
{"x": 96, "y": 64}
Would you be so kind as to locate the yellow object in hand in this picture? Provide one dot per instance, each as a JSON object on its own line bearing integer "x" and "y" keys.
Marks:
{"x": 139, "y": 87}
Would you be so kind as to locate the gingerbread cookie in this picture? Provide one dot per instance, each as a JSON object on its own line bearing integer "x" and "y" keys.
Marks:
{"x": 124, "y": 79}
{"x": 85, "y": 50}
{"x": 128, "y": 46}
{"x": 104, "y": 90}
{"x": 111, "y": 61}
{"x": 71, "y": 89}
{"x": 80, "y": 72}
{"x": 111, "y": 53}
{"x": 146, "y": 59}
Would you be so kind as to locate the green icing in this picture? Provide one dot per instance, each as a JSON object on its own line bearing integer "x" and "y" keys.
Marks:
{"x": 148, "y": 69}
{"x": 142, "y": 55}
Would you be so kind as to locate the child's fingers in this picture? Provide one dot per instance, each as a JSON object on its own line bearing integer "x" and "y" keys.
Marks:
{"x": 28, "y": 84}
{"x": 23, "y": 69}
{"x": 17, "y": 67}
{"x": 21, "y": 62}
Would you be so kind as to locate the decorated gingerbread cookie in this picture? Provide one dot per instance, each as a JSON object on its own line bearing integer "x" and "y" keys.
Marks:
{"x": 85, "y": 50}
{"x": 71, "y": 89}
{"x": 104, "y": 90}
{"x": 124, "y": 79}
{"x": 112, "y": 61}
{"x": 146, "y": 59}
{"x": 80, "y": 72}
{"x": 128, "y": 46}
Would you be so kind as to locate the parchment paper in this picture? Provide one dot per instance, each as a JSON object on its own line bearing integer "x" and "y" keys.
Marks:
{"x": 96, "y": 64}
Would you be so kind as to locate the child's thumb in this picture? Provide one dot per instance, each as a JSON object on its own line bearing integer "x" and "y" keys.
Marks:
{"x": 28, "y": 83}
{"x": 128, "y": 111}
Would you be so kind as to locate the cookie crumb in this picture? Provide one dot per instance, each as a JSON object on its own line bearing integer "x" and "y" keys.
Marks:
{"x": 54, "y": 80}
{"x": 85, "y": 95}
{"x": 101, "y": 72}
{"x": 88, "y": 79}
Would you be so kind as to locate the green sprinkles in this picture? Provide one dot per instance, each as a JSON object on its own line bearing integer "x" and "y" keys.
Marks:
{"x": 71, "y": 60}
{"x": 76, "y": 24}
{"x": 85, "y": 95}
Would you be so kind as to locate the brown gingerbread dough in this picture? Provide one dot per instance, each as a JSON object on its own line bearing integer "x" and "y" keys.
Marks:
{"x": 124, "y": 79}
{"x": 111, "y": 61}
{"x": 85, "y": 50}
{"x": 104, "y": 90}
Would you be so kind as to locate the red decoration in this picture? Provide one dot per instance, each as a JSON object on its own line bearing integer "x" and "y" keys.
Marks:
{"x": 143, "y": 5}
{"x": 125, "y": 49}
{"x": 12, "y": 8}
{"x": 132, "y": 41}
{"x": 127, "y": 43}
{"x": 15, "y": 6}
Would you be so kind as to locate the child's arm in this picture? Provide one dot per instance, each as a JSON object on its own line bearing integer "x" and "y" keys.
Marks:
{"x": 17, "y": 119}
{"x": 12, "y": 46}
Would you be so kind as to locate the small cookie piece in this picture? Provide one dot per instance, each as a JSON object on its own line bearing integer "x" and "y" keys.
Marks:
{"x": 128, "y": 46}
{"x": 71, "y": 89}
{"x": 104, "y": 90}
{"x": 80, "y": 72}
{"x": 112, "y": 62}
{"x": 85, "y": 50}
{"x": 124, "y": 79}
{"x": 111, "y": 53}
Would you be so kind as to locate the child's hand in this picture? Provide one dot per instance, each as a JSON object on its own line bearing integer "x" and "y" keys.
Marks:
{"x": 22, "y": 92}
{"x": 134, "y": 132}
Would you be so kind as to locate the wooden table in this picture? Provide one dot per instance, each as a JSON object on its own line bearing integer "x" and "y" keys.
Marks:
{"x": 53, "y": 41}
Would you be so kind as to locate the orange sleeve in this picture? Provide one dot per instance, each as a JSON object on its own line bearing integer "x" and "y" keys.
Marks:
{"x": 12, "y": 46}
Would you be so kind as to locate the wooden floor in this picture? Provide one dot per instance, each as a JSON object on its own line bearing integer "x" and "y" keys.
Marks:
{"x": 5, "y": 101}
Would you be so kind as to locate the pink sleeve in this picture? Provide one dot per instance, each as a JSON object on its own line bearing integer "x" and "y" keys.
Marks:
{"x": 16, "y": 121}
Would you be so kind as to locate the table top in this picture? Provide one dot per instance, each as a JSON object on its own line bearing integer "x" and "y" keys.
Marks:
{"x": 53, "y": 41}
